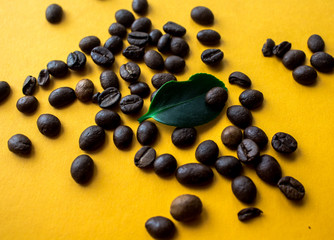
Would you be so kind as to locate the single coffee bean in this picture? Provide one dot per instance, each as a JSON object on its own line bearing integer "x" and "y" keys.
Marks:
{"x": 122, "y": 137}
{"x": 139, "y": 6}
{"x": 212, "y": 56}
{"x": 280, "y": 49}
{"x": 251, "y": 98}
{"x": 231, "y": 137}
{"x": 194, "y": 174}
{"x": 293, "y": 59}
{"x": 268, "y": 47}
{"x": 109, "y": 97}
{"x": 154, "y": 37}
{"x": 142, "y": 24}
{"x": 216, "y": 97}
{"x": 54, "y": 13}
{"x": 323, "y": 62}
{"x": 160, "y": 79}
{"x": 84, "y": 90}
{"x": 49, "y": 125}
{"x": 131, "y": 104}
{"x": 147, "y": 133}
{"x": 134, "y": 52}
{"x": 95, "y": 98}
{"x": 109, "y": 79}
{"x": 145, "y": 157}
{"x": 284, "y": 143}
{"x": 207, "y": 152}
{"x": 124, "y": 17}
{"x": 102, "y": 56}
{"x": 20, "y": 144}
{"x": 248, "y": 213}
{"x": 305, "y": 75}
{"x": 184, "y": 137}
{"x": 174, "y": 64}
{"x": 228, "y": 166}
{"x": 117, "y": 29}
{"x": 291, "y": 188}
{"x": 43, "y": 78}
{"x": 240, "y": 79}
{"x": 248, "y": 151}
{"x": 160, "y": 227}
{"x": 163, "y": 44}
{"x": 114, "y": 44}
{"x": 153, "y": 95}
{"x": 88, "y": 43}
{"x": 139, "y": 39}
{"x": 130, "y": 72}
{"x": 208, "y": 37}
{"x": 165, "y": 165}
{"x": 268, "y": 169}
{"x": 27, "y": 104}
{"x": 257, "y": 135}
{"x": 140, "y": 88}
{"x": 76, "y": 61}
{"x": 57, "y": 68}
{"x": 82, "y": 169}
{"x": 4, "y": 90}
{"x": 202, "y": 15}
{"x": 179, "y": 47}
{"x": 186, "y": 207}
{"x": 244, "y": 189}
{"x": 174, "y": 29}
{"x": 315, "y": 43}
{"x": 92, "y": 138}
{"x": 107, "y": 119}
{"x": 61, "y": 97}
{"x": 239, "y": 116}
{"x": 154, "y": 60}
{"x": 29, "y": 85}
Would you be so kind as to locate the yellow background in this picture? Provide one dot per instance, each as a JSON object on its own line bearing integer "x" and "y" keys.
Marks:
{"x": 40, "y": 200}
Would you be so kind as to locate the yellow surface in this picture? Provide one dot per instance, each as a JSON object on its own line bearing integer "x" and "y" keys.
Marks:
{"x": 40, "y": 200}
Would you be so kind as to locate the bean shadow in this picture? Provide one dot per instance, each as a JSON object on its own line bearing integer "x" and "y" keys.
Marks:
{"x": 87, "y": 70}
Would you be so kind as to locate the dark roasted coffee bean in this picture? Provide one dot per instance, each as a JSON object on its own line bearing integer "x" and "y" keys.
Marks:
{"x": 109, "y": 97}
{"x": 27, "y": 104}
{"x": 134, "y": 52}
{"x": 20, "y": 144}
{"x": 147, "y": 133}
{"x": 131, "y": 104}
{"x": 76, "y": 61}
{"x": 291, "y": 188}
{"x": 257, "y": 135}
{"x": 240, "y": 79}
{"x": 154, "y": 37}
{"x": 293, "y": 59}
{"x": 160, "y": 227}
{"x": 305, "y": 75}
{"x": 184, "y": 137}
{"x": 117, "y": 29}
{"x": 186, "y": 207}
{"x": 207, "y": 152}
{"x": 284, "y": 143}
{"x": 130, "y": 72}
{"x": 139, "y": 6}
{"x": 280, "y": 49}
{"x": 174, "y": 29}
{"x": 145, "y": 157}
{"x": 194, "y": 174}
{"x": 57, "y": 68}
{"x": 153, "y": 95}
{"x": 107, "y": 119}
{"x": 114, "y": 44}
{"x": 140, "y": 88}
{"x": 160, "y": 79}
{"x": 4, "y": 90}
{"x": 202, "y": 15}
{"x": 122, "y": 137}
{"x": 43, "y": 78}
{"x": 82, "y": 169}
{"x": 102, "y": 56}
{"x": 251, "y": 98}
{"x": 228, "y": 166}
{"x": 139, "y": 39}
{"x": 88, "y": 43}
{"x": 315, "y": 43}
{"x": 174, "y": 64}
{"x": 268, "y": 169}
{"x": 54, "y": 13}
{"x": 244, "y": 189}
{"x": 95, "y": 98}
{"x": 323, "y": 62}
{"x": 268, "y": 47}
{"x": 92, "y": 138}
{"x": 239, "y": 116}
{"x": 164, "y": 43}
{"x": 124, "y": 17}
{"x": 165, "y": 165}
{"x": 231, "y": 137}
{"x": 49, "y": 125}
{"x": 179, "y": 47}
{"x": 61, "y": 97}
{"x": 216, "y": 97}
{"x": 249, "y": 213}
{"x": 154, "y": 60}
{"x": 84, "y": 90}
{"x": 212, "y": 56}
{"x": 208, "y": 37}
{"x": 248, "y": 151}
{"x": 29, "y": 85}
{"x": 109, "y": 79}
{"x": 142, "y": 24}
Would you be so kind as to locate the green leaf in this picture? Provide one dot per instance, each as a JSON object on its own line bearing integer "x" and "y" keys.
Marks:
{"x": 182, "y": 104}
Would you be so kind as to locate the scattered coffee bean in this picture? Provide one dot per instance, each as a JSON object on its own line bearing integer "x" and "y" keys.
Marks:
{"x": 240, "y": 79}
{"x": 61, "y": 97}
{"x": 239, "y": 116}
{"x": 251, "y": 98}
{"x": 268, "y": 47}
{"x": 184, "y": 137}
{"x": 139, "y": 39}
{"x": 293, "y": 59}
{"x": 107, "y": 119}
{"x": 160, "y": 79}
{"x": 88, "y": 43}
{"x": 49, "y": 125}
{"x": 109, "y": 79}
{"x": 29, "y": 85}
{"x": 231, "y": 137}
{"x": 122, "y": 137}
{"x": 212, "y": 56}
{"x": 257, "y": 135}
{"x": 27, "y": 104}
{"x": 130, "y": 72}
{"x": 174, "y": 29}
{"x": 117, "y": 29}
{"x": 154, "y": 60}
{"x": 54, "y": 13}
{"x": 134, "y": 52}
{"x": 131, "y": 104}
{"x": 268, "y": 169}
{"x": 109, "y": 97}
{"x": 174, "y": 64}
{"x": 305, "y": 75}
{"x": 139, "y": 6}
{"x": 140, "y": 88}
{"x": 102, "y": 56}
{"x": 248, "y": 151}
{"x": 4, "y": 90}
{"x": 84, "y": 90}
{"x": 160, "y": 227}
{"x": 315, "y": 43}
{"x": 43, "y": 78}
{"x": 165, "y": 165}
{"x": 154, "y": 37}
{"x": 207, "y": 152}
{"x": 284, "y": 143}
{"x": 95, "y": 98}
{"x": 291, "y": 188}
{"x": 20, "y": 144}
{"x": 186, "y": 207}
{"x": 244, "y": 189}
{"x": 228, "y": 166}
{"x": 76, "y": 61}
{"x": 57, "y": 68}
{"x": 208, "y": 37}
{"x": 163, "y": 44}
{"x": 249, "y": 213}
{"x": 114, "y": 44}
{"x": 216, "y": 97}
{"x": 92, "y": 138}
{"x": 145, "y": 157}
{"x": 82, "y": 169}
{"x": 153, "y": 95}
{"x": 194, "y": 174}
{"x": 179, "y": 47}
{"x": 202, "y": 15}
{"x": 142, "y": 24}
{"x": 322, "y": 61}
{"x": 280, "y": 49}
{"x": 147, "y": 133}
{"x": 124, "y": 17}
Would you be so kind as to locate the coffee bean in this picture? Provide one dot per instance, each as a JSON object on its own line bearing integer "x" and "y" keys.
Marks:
{"x": 145, "y": 157}
{"x": 82, "y": 169}
{"x": 179, "y": 47}
{"x": 88, "y": 43}
{"x": 84, "y": 90}
{"x": 130, "y": 72}
{"x": 208, "y": 37}
{"x": 315, "y": 43}
{"x": 207, "y": 152}
{"x": 160, "y": 79}
{"x": 257, "y": 135}
{"x": 95, "y": 98}
{"x": 29, "y": 85}
{"x": 165, "y": 165}
{"x": 154, "y": 37}
{"x": 240, "y": 79}
{"x": 244, "y": 189}
{"x": 122, "y": 137}
{"x": 186, "y": 207}
{"x": 280, "y": 49}
{"x": 268, "y": 169}
{"x": 194, "y": 174}
{"x": 92, "y": 138}
{"x": 154, "y": 60}
{"x": 20, "y": 144}
{"x": 109, "y": 79}
{"x": 305, "y": 75}
{"x": 291, "y": 188}
{"x": 49, "y": 125}
{"x": 109, "y": 97}
{"x": 139, "y": 39}
{"x": 117, "y": 29}
{"x": 184, "y": 137}
{"x": 114, "y": 44}
{"x": 27, "y": 104}
{"x": 140, "y": 88}
{"x": 43, "y": 78}
{"x": 134, "y": 52}
{"x": 239, "y": 116}
{"x": 248, "y": 151}
{"x": 231, "y": 137}
{"x": 323, "y": 62}
{"x": 216, "y": 97}
{"x": 76, "y": 61}
{"x": 102, "y": 56}
{"x": 147, "y": 133}
{"x": 164, "y": 43}
{"x": 268, "y": 47}
{"x": 160, "y": 227}
{"x": 284, "y": 143}
{"x": 139, "y": 6}
{"x": 202, "y": 15}
{"x": 61, "y": 97}
{"x": 153, "y": 95}
{"x": 107, "y": 119}
{"x": 131, "y": 104}
{"x": 4, "y": 90}
{"x": 54, "y": 13}
{"x": 293, "y": 59}
{"x": 174, "y": 29}
{"x": 251, "y": 98}
{"x": 142, "y": 24}
{"x": 174, "y": 64}
{"x": 249, "y": 213}
{"x": 212, "y": 56}
{"x": 124, "y": 17}
{"x": 57, "y": 68}
{"x": 228, "y": 166}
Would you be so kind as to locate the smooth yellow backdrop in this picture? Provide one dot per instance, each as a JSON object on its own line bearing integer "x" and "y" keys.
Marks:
{"x": 40, "y": 200}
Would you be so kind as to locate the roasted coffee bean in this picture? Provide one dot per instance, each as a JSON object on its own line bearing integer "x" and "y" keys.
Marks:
{"x": 145, "y": 157}
{"x": 257, "y": 135}
{"x": 207, "y": 152}
{"x": 202, "y": 15}
{"x": 231, "y": 137}
{"x": 76, "y": 61}
{"x": 122, "y": 137}
{"x": 117, "y": 29}
{"x": 107, "y": 119}
{"x": 268, "y": 169}
{"x": 322, "y": 61}
{"x": 154, "y": 37}
{"x": 139, "y": 39}
{"x": 102, "y": 56}
{"x": 164, "y": 43}
{"x": 240, "y": 79}
{"x": 147, "y": 133}
{"x": 114, "y": 44}
{"x": 184, "y": 137}
{"x": 305, "y": 75}
{"x": 160, "y": 79}
{"x": 194, "y": 174}
{"x": 124, "y": 17}
{"x": 4, "y": 90}
{"x": 84, "y": 90}
{"x": 49, "y": 125}
{"x": 109, "y": 79}
{"x": 216, "y": 97}
{"x": 251, "y": 98}
{"x": 315, "y": 43}
{"x": 27, "y": 104}
{"x": 239, "y": 116}
{"x": 43, "y": 78}
{"x": 88, "y": 43}
{"x": 140, "y": 88}
{"x": 284, "y": 143}
{"x": 165, "y": 165}
{"x": 186, "y": 207}
{"x": 174, "y": 29}
{"x": 212, "y": 56}
{"x": 268, "y": 47}
{"x": 139, "y": 6}
{"x": 20, "y": 144}
{"x": 29, "y": 85}
{"x": 244, "y": 189}
{"x": 291, "y": 188}
{"x": 248, "y": 151}
{"x": 134, "y": 52}
{"x": 130, "y": 72}
{"x": 61, "y": 97}
{"x": 174, "y": 64}
{"x": 92, "y": 138}
{"x": 82, "y": 169}
{"x": 228, "y": 166}
{"x": 95, "y": 98}
{"x": 179, "y": 47}
{"x": 109, "y": 97}
{"x": 57, "y": 68}
{"x": 142, "y": 24}
{"x": 160, "y": 227}
{"x": 280, "y": 49}
{"x": 208, "y": 37}
{"x": 293, "y": 59}
{"x": 153, "y": 95}
{"x": 54, "y": 13}
{"x": 154, "y": 60}
{"x": 249, "y": 213}
{"x": 131, "y": 104}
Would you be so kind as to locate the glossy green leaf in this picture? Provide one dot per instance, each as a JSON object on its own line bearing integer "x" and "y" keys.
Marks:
{"x": 182, "y": 104}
